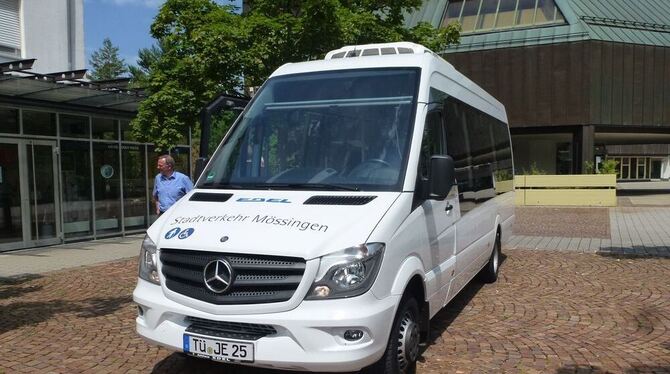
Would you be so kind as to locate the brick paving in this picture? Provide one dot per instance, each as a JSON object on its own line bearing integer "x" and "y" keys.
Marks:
{"x": 556, "y": 312}
{"x": 620, "y": 231}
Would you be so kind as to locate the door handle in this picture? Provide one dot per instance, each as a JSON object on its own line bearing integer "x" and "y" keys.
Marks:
{"x": 449, "y": 207}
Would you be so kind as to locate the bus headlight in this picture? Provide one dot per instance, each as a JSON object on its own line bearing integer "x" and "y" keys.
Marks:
{"x": 148, "y": 269}
{"x": 347, "y": 273}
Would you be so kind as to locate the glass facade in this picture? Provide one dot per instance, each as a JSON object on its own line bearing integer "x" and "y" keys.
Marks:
{"x": 74, "y": 176}
{"x": 11, "y": 229}
{"x": 543, "y": 153}
{"x": 487, "y": 15}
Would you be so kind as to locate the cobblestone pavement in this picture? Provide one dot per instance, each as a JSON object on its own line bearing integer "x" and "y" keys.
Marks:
{"x": 550, "y": 312}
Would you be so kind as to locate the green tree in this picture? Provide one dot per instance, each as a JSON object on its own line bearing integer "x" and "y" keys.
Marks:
{"x": 208, "y": 48}
{"x": 105, "y": 62}
{"x": 147, "y": 57}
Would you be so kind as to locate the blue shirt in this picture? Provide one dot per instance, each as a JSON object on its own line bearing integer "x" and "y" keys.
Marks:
{"x": 167, "y": 190}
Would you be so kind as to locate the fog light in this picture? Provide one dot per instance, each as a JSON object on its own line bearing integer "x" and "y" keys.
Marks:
{"x": 353, "y": 335}
{"x": 321, "y": 291}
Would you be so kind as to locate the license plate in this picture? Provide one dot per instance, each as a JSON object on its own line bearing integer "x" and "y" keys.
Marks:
{"x": 219, "y": 349}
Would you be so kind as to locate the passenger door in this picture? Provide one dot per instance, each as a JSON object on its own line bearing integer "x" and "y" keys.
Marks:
{"x": 440, "y": 216}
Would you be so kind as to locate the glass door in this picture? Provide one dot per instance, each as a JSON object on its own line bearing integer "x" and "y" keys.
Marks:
{"x": 29, "y": 204}
{"x": 43, "y": 192}
{"x": 11, "y": 213}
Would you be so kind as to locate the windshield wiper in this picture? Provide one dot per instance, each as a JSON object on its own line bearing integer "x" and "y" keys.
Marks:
{"x": 306, "y": 186}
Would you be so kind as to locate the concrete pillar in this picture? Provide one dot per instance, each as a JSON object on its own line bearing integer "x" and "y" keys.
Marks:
{"x": 585, "y": 145}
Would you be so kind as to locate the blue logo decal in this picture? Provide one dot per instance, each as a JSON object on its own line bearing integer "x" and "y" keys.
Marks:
{"x": 186, "y": 233}
{"x": 172, "y": 233}
{"x": 262, "y": 200}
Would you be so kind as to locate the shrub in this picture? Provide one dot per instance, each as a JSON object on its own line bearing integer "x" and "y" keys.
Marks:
{"x": 608, "y": 166}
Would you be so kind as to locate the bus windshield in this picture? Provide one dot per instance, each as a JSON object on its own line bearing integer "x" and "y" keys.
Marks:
{"x": 334, "y": 130}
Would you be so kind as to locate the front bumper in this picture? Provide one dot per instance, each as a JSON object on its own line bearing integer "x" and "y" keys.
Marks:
{"x": 308, "y": 338}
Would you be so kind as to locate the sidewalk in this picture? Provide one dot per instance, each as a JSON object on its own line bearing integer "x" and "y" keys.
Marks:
{"x": 41, "y": 260}
{"x": 635, "y": 231}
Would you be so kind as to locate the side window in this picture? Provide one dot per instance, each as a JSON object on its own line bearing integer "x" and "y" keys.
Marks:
{"x": 480, "y": 136}
{"x": 432, "y": 142}
{"x": 504, "y": 172}
{"x": 455, "y": 123}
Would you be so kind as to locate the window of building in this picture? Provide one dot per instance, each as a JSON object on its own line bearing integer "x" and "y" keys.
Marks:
{"x": 105, "y": 128}
{"x": 74, "y": 126}
{"x": 10, "y": 28}
{"x": 485, "y": 15}
{"x": 39, "y": 123}
{"x": 9, "y": 120}
{"x": 77, "y": 197}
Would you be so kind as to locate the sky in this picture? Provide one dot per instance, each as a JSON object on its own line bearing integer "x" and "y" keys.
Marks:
{"x": 125, "y": 22}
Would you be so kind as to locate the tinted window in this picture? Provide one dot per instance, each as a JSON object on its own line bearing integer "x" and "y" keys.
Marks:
{"x": 39, "y": 123}
{"x": 9, "y": 120}
{"x": 480, "y": 147}
{"x": 432, "y": 141}
{"x": 74, "y": 126}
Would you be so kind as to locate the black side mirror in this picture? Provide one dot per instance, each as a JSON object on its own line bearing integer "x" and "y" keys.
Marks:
{"x": 442, "y": 176}
{"x": 200, "y": 164}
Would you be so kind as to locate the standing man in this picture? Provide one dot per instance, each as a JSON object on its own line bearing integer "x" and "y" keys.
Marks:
{"x": 169, "y": 185}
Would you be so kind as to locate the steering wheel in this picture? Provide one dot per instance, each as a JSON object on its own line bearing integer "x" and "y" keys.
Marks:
{"x": 375, "y": 161}
{"x": 363, "y": 166}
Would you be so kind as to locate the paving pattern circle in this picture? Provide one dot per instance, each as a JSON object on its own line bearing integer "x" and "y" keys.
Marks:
{"x": 549, "y": 312}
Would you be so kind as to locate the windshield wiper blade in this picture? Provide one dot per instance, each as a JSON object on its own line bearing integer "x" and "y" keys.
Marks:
{"x": 318, "y": 186}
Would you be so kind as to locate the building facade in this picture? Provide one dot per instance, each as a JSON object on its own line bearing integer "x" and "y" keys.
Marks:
{"x": 52, "y": 32}
{"x": 582, "y": 80}
{"x": 70, "y": 167}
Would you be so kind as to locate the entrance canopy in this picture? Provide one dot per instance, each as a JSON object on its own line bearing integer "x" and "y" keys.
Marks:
{"x": 66, "y": 88}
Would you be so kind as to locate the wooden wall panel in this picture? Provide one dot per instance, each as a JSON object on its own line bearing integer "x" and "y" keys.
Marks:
{"x": 569, "y": 84}
{"x": 575, "y": 92}
{"x": 666, "y": 88}
{"x": 648, "y": 116}
{"x": 659, "y": 64}
{"x": 560, "y": 83}
{"x": 545, "y": 83}
{"x": 606, "y": 83}
{"x": 617, "y": 83}
{"x": 595, "y": 89}
{"x": 638, "y": 84}
{"x": 531, "y": 88}
{"x": 628, "y": 54}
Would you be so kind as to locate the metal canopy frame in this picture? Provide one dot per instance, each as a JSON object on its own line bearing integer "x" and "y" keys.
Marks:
{"x": 67, "y": 88}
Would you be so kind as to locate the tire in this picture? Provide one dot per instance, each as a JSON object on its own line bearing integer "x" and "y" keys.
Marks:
{"x": 489, "y": 273}
{"x": 402, "y": 349}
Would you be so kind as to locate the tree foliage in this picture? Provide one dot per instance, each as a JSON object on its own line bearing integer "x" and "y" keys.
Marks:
{"x": 208, "y": 49}
{"x": 106, "y": 63}
{"x": 147, "y": 57}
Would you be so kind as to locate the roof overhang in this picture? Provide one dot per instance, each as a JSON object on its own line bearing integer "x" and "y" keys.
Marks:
{"x": 79, "y": 94}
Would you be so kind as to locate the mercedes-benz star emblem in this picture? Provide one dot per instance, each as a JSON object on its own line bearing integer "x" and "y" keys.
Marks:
{"x": 218, "y": 275}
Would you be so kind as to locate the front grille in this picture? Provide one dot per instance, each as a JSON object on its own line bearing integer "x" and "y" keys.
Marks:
{"x": 258, "y": 279}
{"x": 232, "y": 330}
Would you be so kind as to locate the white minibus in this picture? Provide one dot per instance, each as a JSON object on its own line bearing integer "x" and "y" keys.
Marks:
{"x": 352, "y": 199}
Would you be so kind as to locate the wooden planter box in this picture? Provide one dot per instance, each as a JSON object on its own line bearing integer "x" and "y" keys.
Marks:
{"x": 567, "y": 190}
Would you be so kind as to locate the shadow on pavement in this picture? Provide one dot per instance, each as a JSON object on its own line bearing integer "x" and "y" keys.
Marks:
{"x": 181, "y": 363}
{"x": 17, "y": 315}
{"x": 444, "y": 318}
{"x": 589, "y": 369}
{"x": 13, "y": 287}
{"x": 635, "y": 252}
